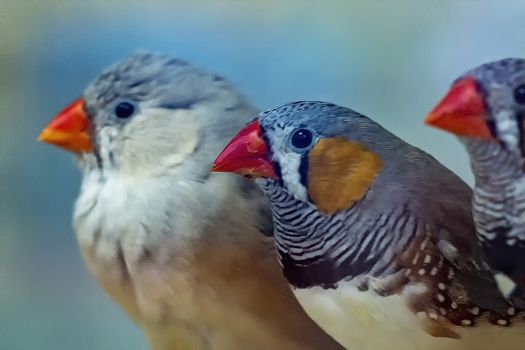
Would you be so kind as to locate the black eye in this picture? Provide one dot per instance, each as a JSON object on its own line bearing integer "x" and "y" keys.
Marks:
{"x": 519, "y": 94}
{"x": 124, "y": 110}
{"x": 302, "y": 138}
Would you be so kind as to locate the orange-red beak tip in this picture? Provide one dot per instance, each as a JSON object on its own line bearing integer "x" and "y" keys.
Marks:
{"x": 437, "y": 119}
{"x": 42, "y": 136}
{"x": 432, "y": 119}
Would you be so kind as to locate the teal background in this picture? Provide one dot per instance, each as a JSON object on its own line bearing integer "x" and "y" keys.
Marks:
{"x": 389, "y": 59}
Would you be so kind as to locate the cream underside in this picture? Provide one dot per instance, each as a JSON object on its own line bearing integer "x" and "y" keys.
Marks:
{"x": 366, "y": 321}
{"x": 197, "y": 289}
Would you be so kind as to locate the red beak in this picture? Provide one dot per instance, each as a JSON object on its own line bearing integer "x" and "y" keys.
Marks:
{"x": 69, "y": 129}
{"x": 462, "y": 111}
{"x": 247, "y": 154}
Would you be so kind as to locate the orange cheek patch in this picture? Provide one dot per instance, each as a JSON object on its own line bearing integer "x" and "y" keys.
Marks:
{"x": 340, "y": 172}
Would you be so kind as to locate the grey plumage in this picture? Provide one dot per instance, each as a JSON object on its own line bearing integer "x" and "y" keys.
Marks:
{"x": 408, "y": 181}
{"x": 179, "y": 249}
{"x": 400, "y": 264}
{"x": 499, "y": 192}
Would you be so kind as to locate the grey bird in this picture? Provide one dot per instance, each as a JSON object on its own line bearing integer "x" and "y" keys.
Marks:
{"x": 180, "y": 249}
{"x": 485, "y": 108}
{"x": 374, "y": 235}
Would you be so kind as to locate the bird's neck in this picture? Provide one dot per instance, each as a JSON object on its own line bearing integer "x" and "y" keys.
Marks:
{"x": 493, "y": 166}
{"x": 499, "y": 187}
{"x": 320, "y": 250}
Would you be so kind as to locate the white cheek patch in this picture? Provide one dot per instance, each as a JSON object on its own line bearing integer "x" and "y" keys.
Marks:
{"x": 290, "y": 163}
{"x": 508, "y": 128}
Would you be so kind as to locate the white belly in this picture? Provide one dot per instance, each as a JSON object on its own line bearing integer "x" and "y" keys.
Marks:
{"x": 365, "y": 321}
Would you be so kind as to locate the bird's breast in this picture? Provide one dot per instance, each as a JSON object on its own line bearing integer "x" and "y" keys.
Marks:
{"x": 191, "y": 287}
{"x": 365, "y": 320}
{"x": 117, "y": 214}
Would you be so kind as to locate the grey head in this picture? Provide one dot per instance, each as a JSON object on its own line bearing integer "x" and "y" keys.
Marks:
{"x": 405, "y": 170}
{"x": 150, "y": 111}
{"x": 502, "y": 85}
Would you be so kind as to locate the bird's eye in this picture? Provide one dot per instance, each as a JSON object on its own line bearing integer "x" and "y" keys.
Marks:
{"x": 124, "y": 110}
{"x": 519, "y": 94}
{"x": 302, "y": 138}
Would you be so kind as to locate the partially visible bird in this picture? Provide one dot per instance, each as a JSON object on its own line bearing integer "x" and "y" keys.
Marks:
{"x": 180, "y": 249}
{"x": 485, "y": 108}
{"x": 374, "y": 235}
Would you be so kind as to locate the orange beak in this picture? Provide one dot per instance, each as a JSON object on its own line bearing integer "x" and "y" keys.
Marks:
{"x": 247, "y": 154}
{"x": 69, "y": 129}
{"x": 462, "y": 111}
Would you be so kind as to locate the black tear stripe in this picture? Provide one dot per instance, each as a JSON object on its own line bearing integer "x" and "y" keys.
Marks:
{"x": 276, "y": 165}
{"x": 303, "y": 170}
{"x": 278, "y": 172}
{"x": 519, "y": 119}
{"x": 491, "y": 123}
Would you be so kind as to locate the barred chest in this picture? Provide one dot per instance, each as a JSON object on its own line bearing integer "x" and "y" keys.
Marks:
{"x": 392, "y": 282}
{"x": 499, "y": 215}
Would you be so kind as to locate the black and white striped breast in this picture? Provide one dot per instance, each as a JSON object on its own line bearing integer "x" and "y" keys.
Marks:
{"x": 499, "y": 206}
{"x": 321, "y": 250}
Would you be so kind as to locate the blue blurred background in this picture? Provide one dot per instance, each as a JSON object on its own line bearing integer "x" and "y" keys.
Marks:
{"x": 389, "y": 59}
